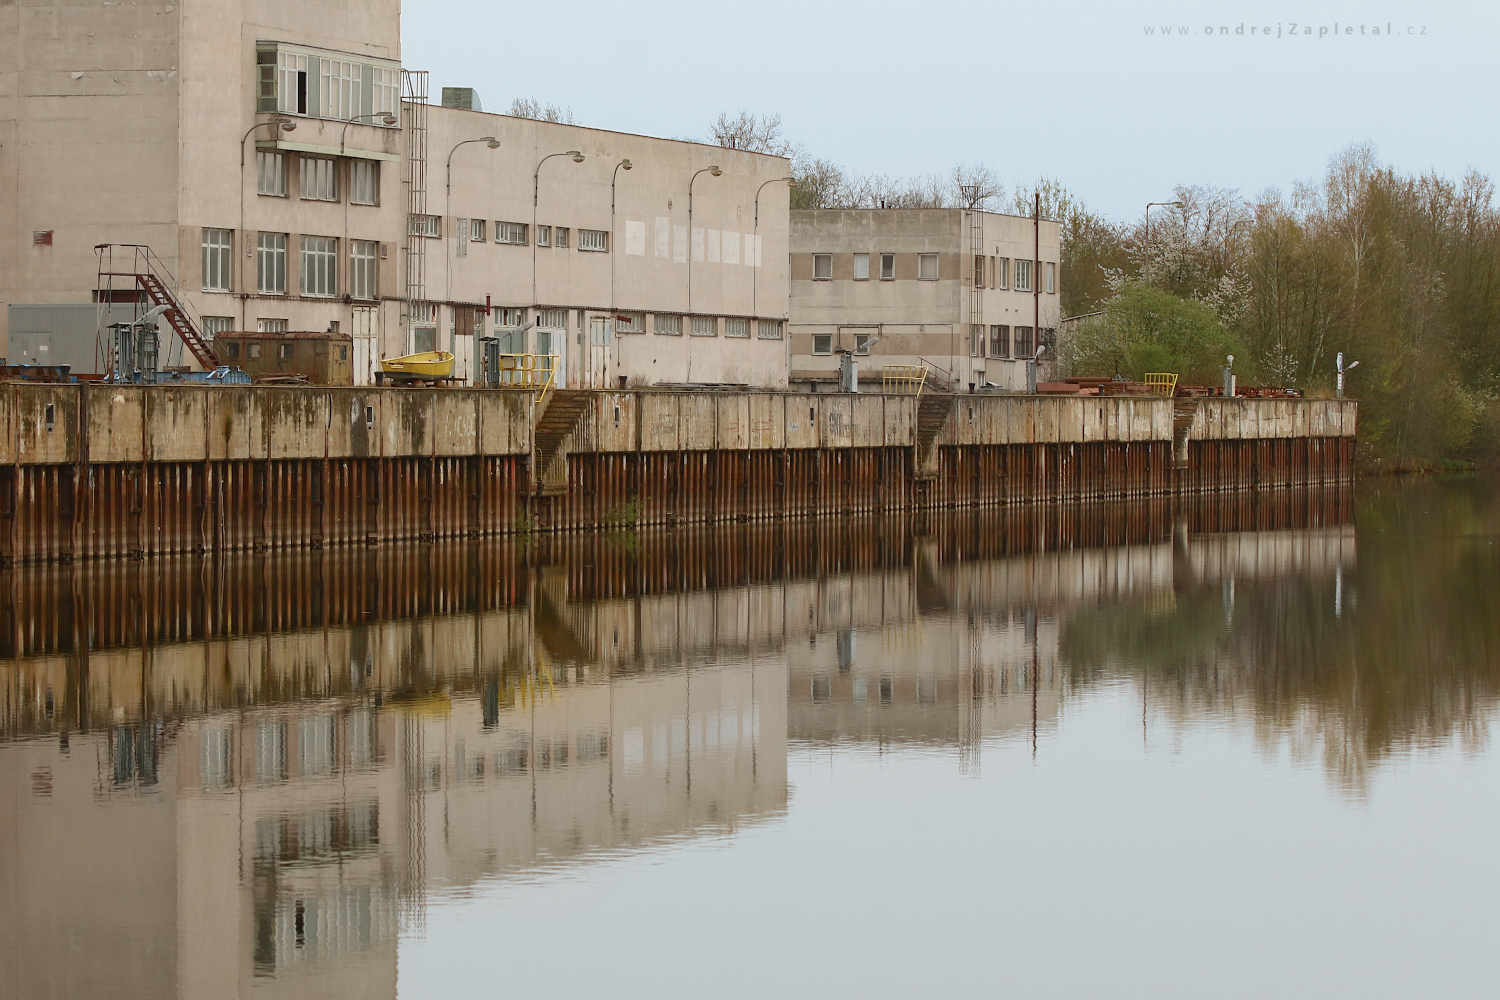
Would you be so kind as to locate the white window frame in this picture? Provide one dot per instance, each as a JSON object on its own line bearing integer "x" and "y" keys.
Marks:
{"x": 476, "y": 231}
{"x": 827, "y": 344}
{"x": 511, "y": 232}
{"x": 736, "y": 327}
{"x": 386, "y": 93}
{"x": 213, "y": 326}
{"x": 1023, "y": 275}
{"x": 340, "y": 89}
{"x": 630, "y": 322}
{"x": 364, "y": 269}
{"x": 822, "y": 262}
{"x": 922, "y": 261}
{"x": 887, "y": 273}
{"x": 319, "y": 260}
{"x": 552, "y": 319}
{"x": 593, "y": 240}
{"x": 704, "y": 326}
{"x": 862, "y": 344}
{"x": 1002, "y": 273}
{"x": 1004, "y": 351}
{"x": 364, "y": 182}
{"x": 666, "y": 325}
{"x": 270, "y": 325}
{"x": 861, "y": 267}
{"x": 270, "y": 263}
{"x": 768, "y": 329}
{"x": 560, "y": 237}
{"x": 320, "y": 175}
{"x": 218, "y": 259}
{"x": 430, "y": 226}
{"x": 543, "y": 236}
{"x": 291, "y": 99}
{"x": 1051, "y": 272}
{"x": 270, "y": 173}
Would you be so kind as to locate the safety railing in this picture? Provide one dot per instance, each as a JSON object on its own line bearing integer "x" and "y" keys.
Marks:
{"x": 1161, "y": 383}
{"x": 528, "y": 371}
{"x": 903, "y": 380}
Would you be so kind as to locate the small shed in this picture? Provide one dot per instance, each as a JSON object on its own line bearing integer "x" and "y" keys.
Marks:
{"x": 325, "y": 358}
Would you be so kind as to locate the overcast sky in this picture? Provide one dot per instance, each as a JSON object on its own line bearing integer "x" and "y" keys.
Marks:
{"x": 1080, "y": 91}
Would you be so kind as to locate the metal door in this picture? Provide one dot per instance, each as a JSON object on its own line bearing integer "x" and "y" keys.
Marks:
{"x": 598, "y": 373}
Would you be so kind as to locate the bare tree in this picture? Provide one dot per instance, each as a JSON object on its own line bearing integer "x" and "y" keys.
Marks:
{"x": 752, "y": 133}
{"x": 975, "y": 185}
{"x": 820, "y": 184}
{"x": 530, "y": 107}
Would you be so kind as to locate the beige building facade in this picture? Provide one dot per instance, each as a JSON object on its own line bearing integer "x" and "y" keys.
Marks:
{"x": 288, "y": 175}
{"x": 969, "y": 294}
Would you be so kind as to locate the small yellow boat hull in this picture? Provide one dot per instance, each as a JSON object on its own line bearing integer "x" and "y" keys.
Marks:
{"x": 431, "y": 364}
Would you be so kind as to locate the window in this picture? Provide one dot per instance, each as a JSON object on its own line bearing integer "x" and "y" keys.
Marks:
{"x": 476, "y": 231}
{"x": 560, "y": 237}
{"x": 887, "y": 267}
{"x": 320, "y": 179}
{"x": 270, "y": 264}
{"x": 630, "y": 323}
{"x": 737, "y": 328}
{"x": 544, "y": 236}
{"x": 363, "y": 268}
{"x": 386, "y": 94}
{"x": 1051, "y": 278}
{"x": 861, "y": 267}
{"x": 341, "y": 88}
{"x": 319, "y": 265}
{"x": 291, "y": 83}
{"x": 668, "y": 326}
{"x": 252, "y": 351}
{"x": 552, "y": 319}
{"x": 822, "y": 343}
{"x": 999, "y": 341}
{"x": 270, "y": 173}
{"x": 976, "y": 341}
{"x": 1023, "y": 276}
{"x": 978, "y": 272}
{"x": 861, "y": 343}
{"x": 233, "y": 351}
{"x": 509, "y": 317}
{"x": 822, "y": 267}
{"x": 593, "y": 239}
{"x": 216, "y": 262}
{"x": 215, "y": 325}
{"x": 992, "y": 272}
{"x": 286, "y": 352}
{"x": 1002, "y": 272}
{"x": 267, "y": 326}
{"x": 425, "y": 225}
{"x": 705, "y": 326}
{"x": 927, "y": 266}
{"x": 1023, "y": 342}
{"x": 364, "y": 182}
{"x": 510, "y": 232}
{"x": 768, "y": 329}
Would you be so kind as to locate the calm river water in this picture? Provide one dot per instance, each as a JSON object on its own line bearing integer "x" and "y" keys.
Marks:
{"x": 1235, "y": 748}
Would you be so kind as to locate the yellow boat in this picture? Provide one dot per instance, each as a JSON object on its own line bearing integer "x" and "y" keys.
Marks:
{"x": 428, "y": 365}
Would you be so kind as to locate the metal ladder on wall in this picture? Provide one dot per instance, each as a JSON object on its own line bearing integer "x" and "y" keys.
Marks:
{"x": 149, "y": 274}
{"x": 414, "y": 108}
{"x": 976, "y": 286}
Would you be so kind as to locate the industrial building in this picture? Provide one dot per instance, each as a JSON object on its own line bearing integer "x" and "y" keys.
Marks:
{"x": 273, "y": 168}
{"x": 969, "y": 294}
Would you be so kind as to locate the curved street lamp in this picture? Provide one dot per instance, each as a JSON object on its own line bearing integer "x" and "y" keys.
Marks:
{"x": 791, "y": 183}
{"x": 385, "y": 117}
{"x": 716, "y": 171}
{"x": 285, "y": 125}
{"x": 492, "y": 143}
{"x": 624, "y": 164}
{"x": 536, "y": 191}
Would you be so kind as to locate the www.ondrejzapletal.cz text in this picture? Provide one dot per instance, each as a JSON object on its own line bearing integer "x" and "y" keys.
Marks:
{"x": 1289, "y": 30}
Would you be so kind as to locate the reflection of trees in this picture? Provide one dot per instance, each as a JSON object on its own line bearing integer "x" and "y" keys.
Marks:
{"x": 1403, "y": 654}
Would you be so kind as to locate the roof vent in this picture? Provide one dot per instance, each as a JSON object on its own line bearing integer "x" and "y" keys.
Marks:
{"x": 465, "y": 98}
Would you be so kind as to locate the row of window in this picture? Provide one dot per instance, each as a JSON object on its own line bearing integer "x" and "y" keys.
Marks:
{"x": 329, "y": 85}
{"x": 514, "y": 233}
{"x": 318, "y": 177}
{"x": 661, "y": 324}
{"x": 1003, "y": 342}
{"x": 999, "y": 270}
{"x": 318, "y": 264}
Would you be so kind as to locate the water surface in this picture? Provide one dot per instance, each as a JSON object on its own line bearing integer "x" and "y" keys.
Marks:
{"x": 1224, "y": 748}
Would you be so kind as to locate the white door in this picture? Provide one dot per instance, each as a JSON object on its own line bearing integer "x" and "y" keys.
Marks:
{"x": 366, "y": 333}
{"x": 598, "y": 373}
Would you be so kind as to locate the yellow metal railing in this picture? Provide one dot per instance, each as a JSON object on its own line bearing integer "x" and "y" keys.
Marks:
{"x": 529, "y": 371}
{"x": 903, "y": 380}
{"x": 1161, "y": 383}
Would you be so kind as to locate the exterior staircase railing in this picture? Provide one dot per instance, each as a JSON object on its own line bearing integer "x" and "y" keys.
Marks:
{"x": 152, "y": 276}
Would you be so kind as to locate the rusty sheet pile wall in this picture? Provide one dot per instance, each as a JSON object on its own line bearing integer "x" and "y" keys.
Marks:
{"x": 108, "y": 471}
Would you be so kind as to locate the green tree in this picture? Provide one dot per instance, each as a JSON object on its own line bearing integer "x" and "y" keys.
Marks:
{"x": 1147, "y": 329}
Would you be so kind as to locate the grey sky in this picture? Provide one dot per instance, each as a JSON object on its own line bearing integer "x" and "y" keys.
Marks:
{"x": 1075, "y": 90}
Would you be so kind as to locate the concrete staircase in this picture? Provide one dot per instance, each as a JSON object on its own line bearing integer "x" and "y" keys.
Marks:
{"x": 933, "y": 412}
{"x": 560, "y": 416}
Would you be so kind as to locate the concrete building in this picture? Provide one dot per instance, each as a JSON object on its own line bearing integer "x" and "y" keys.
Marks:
{"x": 288, "y": 175}
{"x": 962, "y": 292}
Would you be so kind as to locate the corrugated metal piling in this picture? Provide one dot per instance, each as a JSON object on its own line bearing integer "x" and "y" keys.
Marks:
{"x": 100, "y": 471}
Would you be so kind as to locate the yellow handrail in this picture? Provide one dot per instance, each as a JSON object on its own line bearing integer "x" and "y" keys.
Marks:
{"x": 1161, "y": 383}
{"x": 903, "y": 379}
{"x": 529, "y": 371}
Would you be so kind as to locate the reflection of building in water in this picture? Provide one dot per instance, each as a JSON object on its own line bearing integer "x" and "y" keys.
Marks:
{"x": 245, "y": 780}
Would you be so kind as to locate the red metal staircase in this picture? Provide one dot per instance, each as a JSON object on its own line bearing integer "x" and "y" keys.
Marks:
{"x": 150, "y": 274}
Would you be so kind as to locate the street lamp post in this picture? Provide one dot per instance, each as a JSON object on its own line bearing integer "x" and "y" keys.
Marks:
{"x": 715, "y": 170}
{"x": 385, "y": 117}
{"x": 791, "y": 182}
{"x": 285, "y": 125}
{"x": 536, "y": 193}
{"x": 1147, "y": 245}
{"x": 613, "y": 178}
{"x": 1342, "y": 368}
{"x": 492, "y": 143}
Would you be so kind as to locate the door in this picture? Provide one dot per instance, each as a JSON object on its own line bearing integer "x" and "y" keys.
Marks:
{"x": 365, "y": 330}
{"x": 597, "y": 376}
